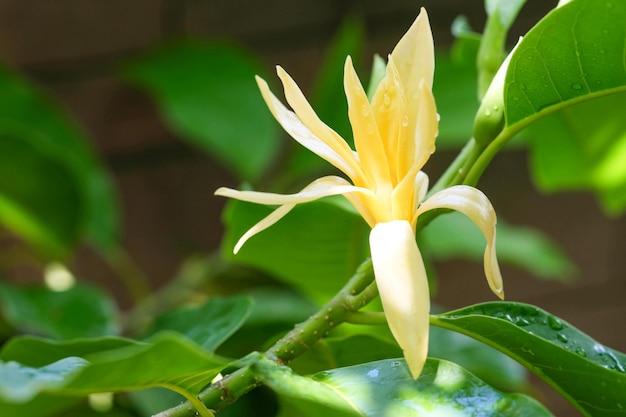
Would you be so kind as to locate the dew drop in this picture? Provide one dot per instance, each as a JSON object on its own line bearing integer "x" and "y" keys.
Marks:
{"x": 522, "y": 322}
{"x": 562, "y": 337}
{"x": 415, "y": 95}
{"x": 365, "y": 110}
{"x": 577, "y": 86}
{"x": 370, "y": 129}
{"x": 554, "y": 323}
{"x": 495, "y": 107}
{"x": 581, "y": 352}
{"x": 386, "y": 99}
{"x": 602, "y": 51}
{"x": 405, "y": 121}
{"x": 515, "y": 98}
{"x": 487, "y": 112}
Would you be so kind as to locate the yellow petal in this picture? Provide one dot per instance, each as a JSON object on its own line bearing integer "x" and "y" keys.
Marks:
{"x": 309, "y": 118}
{"x": 414, "y": 55}
{"x": 475, "y": 205}
{"x": 390, "y": 110}
{"x": 367, "y": 140}
{"x": 301, "y": 133}
{"x": 322, "y": 187}
{"x": 403, "y": 287}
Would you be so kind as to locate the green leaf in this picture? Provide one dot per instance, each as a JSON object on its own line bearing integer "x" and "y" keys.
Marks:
{"x": 208, "y": 95}
{"x": 209, "y": 324}
{"x": 168, "y": 360}
{"x": 589, "y": 375}
{"x": 570, "y": 70}
{"x": 19, "y": 383}
{"x": 315, "y": 248}
{"x": 488, "y": 364}
{"x": 53, "y": 191}
{"x": 37, "y": 352}
{"x": 455, "y": 236}
{"x": 80, "y": 311}
{"x": 385, "y": 388}
{"x": 583, "y": 147}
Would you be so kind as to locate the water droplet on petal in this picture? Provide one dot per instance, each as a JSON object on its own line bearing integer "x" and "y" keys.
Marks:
{"x": 386, "y": 99}
{"x": 405, "y": 121}
{"x": 365, "y": 110}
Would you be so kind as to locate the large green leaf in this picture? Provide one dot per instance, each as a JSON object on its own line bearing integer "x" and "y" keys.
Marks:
{"x": 53, "y": 191}
{"x": 168, "y": 360}
{"x": 208, "y": 95}
{"x": 455, "y": 236}
{"x": 589, "y": 375}
{"x": 80, "y": 311}
{"x": 315, "y": 248}
{"x": 574, "y": 55}
{"x": 209, "y": 324}
{"x": 385, "y": 388}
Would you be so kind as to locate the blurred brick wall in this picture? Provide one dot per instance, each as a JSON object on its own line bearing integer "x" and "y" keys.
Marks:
{"x": 72, "y": 49}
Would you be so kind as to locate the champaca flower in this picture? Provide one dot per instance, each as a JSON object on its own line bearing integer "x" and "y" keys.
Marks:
{"x": 394, "y": 135}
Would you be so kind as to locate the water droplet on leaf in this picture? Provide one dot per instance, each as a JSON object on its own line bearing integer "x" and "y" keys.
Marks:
{"x": 577, "y": 86}
{"x": 562, "y": 337}
{"x": 554, "y": 323}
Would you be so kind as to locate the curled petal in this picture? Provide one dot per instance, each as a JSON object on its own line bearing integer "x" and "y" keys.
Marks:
{"x": 475, "y": 205}
{"x": 401, "y": 280}
{"x": 301, "y": 133}
{"x": 322, "y": 187}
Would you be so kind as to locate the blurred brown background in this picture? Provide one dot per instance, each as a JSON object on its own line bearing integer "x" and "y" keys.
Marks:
{"x": 72, "y": 49}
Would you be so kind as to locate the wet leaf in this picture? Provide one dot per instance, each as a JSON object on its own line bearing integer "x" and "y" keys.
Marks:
{"x": 589, "y": 375}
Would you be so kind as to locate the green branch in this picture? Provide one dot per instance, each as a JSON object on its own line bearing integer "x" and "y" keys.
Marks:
{"x": 357, "y": 292}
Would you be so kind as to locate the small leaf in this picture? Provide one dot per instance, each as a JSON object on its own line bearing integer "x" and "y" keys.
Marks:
{"x": 80, "y": 311}
{"x": 208, "y": 325}
{"x": 208, "y": 95}
{"x": 589, "y": 375}
{"x": 315, "y": 248}
{"x": 386, "y": 388}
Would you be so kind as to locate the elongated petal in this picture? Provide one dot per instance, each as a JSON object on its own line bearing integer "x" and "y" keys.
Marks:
{"x": 301, "y": 133}
{"x": 322, "y": 187}
{"x": 403, "y": 287}
{"x": 309, "y": 118}
{"x": 475, "y": 205}
{"x": 367, "y": 139}
{"x": 414, "y": 55}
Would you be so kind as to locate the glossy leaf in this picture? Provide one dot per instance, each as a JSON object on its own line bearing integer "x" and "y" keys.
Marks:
{"x": 455, "y": 236}
{"x": 574, "y": 55}
{"x": 19, "y": 383}
{"x": 168, "y": 360}
{"x": 53, "y": 191}
{"x": 80, "y": 311}
{"x": 315, "y": 248}
{"x": 589, "y": 375}
{"x": 208, "y": 95}
{"x": 386, "y": 388}
{"x": 209, "y": 324}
